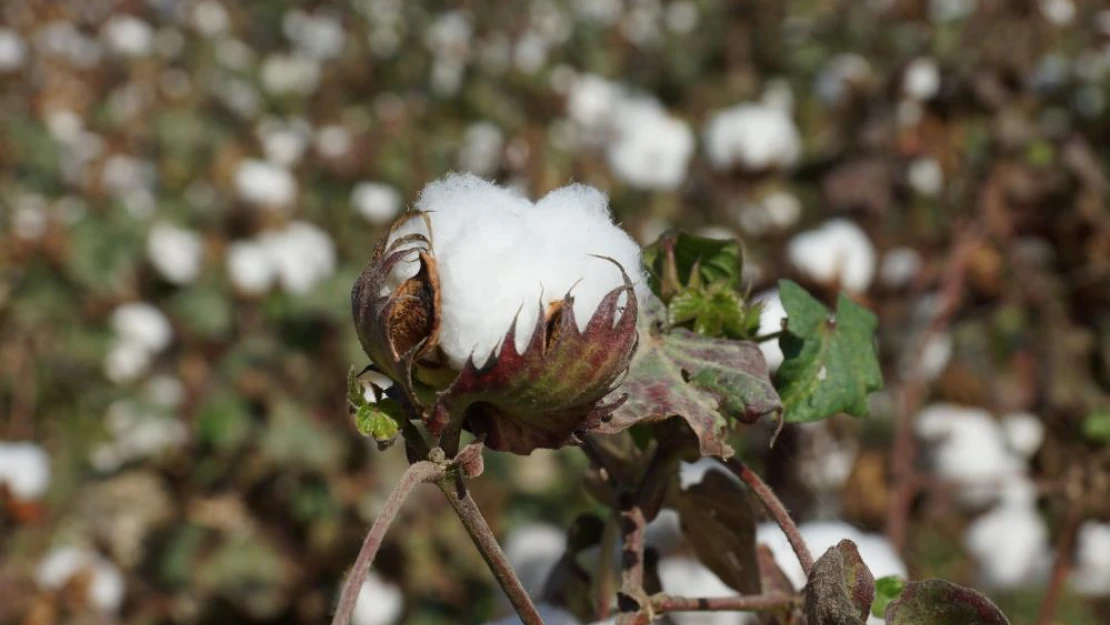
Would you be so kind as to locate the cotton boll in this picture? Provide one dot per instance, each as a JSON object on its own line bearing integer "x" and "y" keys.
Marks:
{"x": 135, "y": 434}
{"x": 782, "y": 209}
{"x": 210, "y": 18}
{"x": 652, "y": 149}
{"x": 303, "y": 255}
{"x": 12, "y": 50}
{"x": 265, "y": 184}
{"x": 481, "y": 149}
{"x": 318, "y": 35}
{"x": 1024, "y": 433}
{"x": 926, "y": 176}
{"x": 921, "y": 80}
{"x": 1091, "y": 576}
{"x": 899, "y": 267}
{"x": 285, "y": 74}
{"x": 533, "y": 550}
{"x": 934, "y": 356}
{"x": 682, "y": 17}
{"x": 283, "y": 143}
{"x": 754, "y": 137}
{"x": 1010, "y": 543}
{"x": 376, "y": 202}
{"x": 1058, "y": 12}
{"x": 250, "y": 267}
{"x": 450, "y": 34}
{"x": 142, "y": 324}
{"x": 129, "y": 36}
{"x": 968, "y": 448}
{"x": 590, "y": 103}
{"x": 379, "y": 602}
{"x": 24, "y": 470}
{"x": 550, "y": 615}
{"x": 126, "y": 361}
{"x": 771, "y": 317}
{"x": 333, "y": 141}
{"x": 105, "y": 588}
{"x": 837, "y": 251}
{"x": 176, "y": 253}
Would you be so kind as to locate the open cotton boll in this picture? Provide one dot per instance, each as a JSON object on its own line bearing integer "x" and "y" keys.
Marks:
{"x": 968, "y": 448}
{"x": 136, "y": 434}
{"x": 290, "y": 74}
{"x": 652, "y": 149}
{"x": 754, "y": 137}
{"x": 771, "y": 317}
{"x": 1010, "y": 544}
{"x": 689, "y": 578}
{"x": 250, "y": 267}
{"x": 303, "y": 255}
{"x": 550, "y": 615}
{"x": 265, "y": 184}
{"x": 1024, "y": 433}
{"x": 12, "y": 50}
{"x": 176, "y": 253}
{"x": 129, "y": 36}
{"x": 590, "y": 104}
{"x": 925, "y": 176}
{"x": 500, "y": 257}
{"x": 481, "y": 148}
{"x": 376, "y": 202}
{"x": 142, "y": 324}
{"x": 379, "y": 602}
{"x": 533, "y": 550}
{"x": 105, "y": 588}
{"x": 24, "y": 470}
{"x": 1091, "y": 576}
{"x": 126, "y": 361}
{"x": 899, "y": 266}
{"x": 837, "y": 251}
{"x": 921, "y": 80}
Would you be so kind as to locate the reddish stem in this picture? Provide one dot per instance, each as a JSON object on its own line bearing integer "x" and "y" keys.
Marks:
{"x": 775, "y": 509}
{"x": 1065, "y": 543}
{"x": 752, "y": 603}
{"x": 632, "y": 559}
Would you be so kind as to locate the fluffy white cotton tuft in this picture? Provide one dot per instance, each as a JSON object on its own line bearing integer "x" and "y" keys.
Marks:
{"x": 652, "y": 149}
{"x": 691, "y": 474}
{"x": 176, "y": 253}
{"x": 538, "y": 253}
{"x": 136, "y": 433}
{"x": 533, "y": 550}
{"x": 12, "y": 50}
{"x": 1024, "y": 433}
{"x": 590, "y": 103}
{"x": 770, "y": 321}
{"x": 900, "y": 266}
{"x": 129, "y": 36}
{"x": 290, "y": 74}
{"x": 752, "y": 137}
{"x": 24, "y": 470}
{"x": 1010, "y": 543}
{"x": 265, "y": 184}
{"x": 303, "y": 255}
{"x": 481, "y": 149}
{"x": 143, "y": 324}
{"x": 1091, "y": 576}
{"x": 379, "y": 602}
{"x": 838, "y": 250}
{"x": 921, "y": 80}
{"x": 969, "y": 448}
{"x": 106, "y": 584}
{"x": 249, "y": 267}
{"x": 376, "y": 202}
{"x": 925, "y": 176}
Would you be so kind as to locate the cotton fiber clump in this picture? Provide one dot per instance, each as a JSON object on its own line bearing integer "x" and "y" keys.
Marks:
{"x": 752, "y": 137}
{"x": 1010, "y": 542}
{"x": 379, "y": 602}
{"x": 652, "y": 149}
{"x": 500, "y": 256}
{"x": 105, "y": 587}
{"x": 1091, "y": 576}
{"x": 836, "y": 251}
{"x": 24, "y": 470}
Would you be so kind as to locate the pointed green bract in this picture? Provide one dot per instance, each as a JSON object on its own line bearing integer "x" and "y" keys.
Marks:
{"x": 831, "y": 364}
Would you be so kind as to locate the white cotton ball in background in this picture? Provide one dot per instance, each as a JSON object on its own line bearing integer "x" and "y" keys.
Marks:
{"x": 265, "y": 184}
{"x": 681, "y": 17}
{"x": 899, "y": 267}
{"x": 164, "y": 390}
{"x": 1024, "y": 433}
{"x": 1091, "y": 575}
{"x": 105, "y": 589}
{"x": 783, "y": 209}
{"x": 12, "y": 50}
{"x": 925, "y": 176}
{"x": 376, "y": 202}
{"x": 210, "y": 18}
{"x": 921, "y": 80}
{"x": 24, "y": 470}
{"x": 481, "y": 148}
{"x": 663, "y": 533}
{"x": 284, "y": 74}
{"x": 652, "y": 149}
{"x": 968, "y": 447}
{"x": 550, "y": 615}
{"x": 250, "y": 267}
{"x": 935, "y": 354}
{"x": 590, "y": 103}
{"x": 1058, "y": 12}
{"x": 719, "y": 233}
{"x": 838, "y": 250}
{"x": 379, "y": 602}
{"x": 753, "y": 137}
{"x": 135, "y": 433}
{"x": 540, "y": 253}
{"x": 176, "y": 253}
{"x": 143, "y": 324}
{"x": 533, "y": 549}
{"x": 689, "y": 578}
{"x": 283, "y": 143}
{"x": 303, "y": 255}
{"x": 449, "y": 34}
{"x": 333, "y": 141}
{"x": 1010, "y": 544}
{"x": 129, "y": 36}
{"x": 770, "y": 321}
{"x": 319, "y": 35}
{"x": 126, "y": 361}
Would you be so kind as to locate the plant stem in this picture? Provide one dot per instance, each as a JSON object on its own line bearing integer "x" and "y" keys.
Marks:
{"x": 632, "y": 559}
{"x": 1064, "y": 546}
{"x": 416, "y": 474}
{"x": 484, "y": 540}
{"x": 605, "y": 567}
{"x": 751, "y": 603}
{"x": 776, "y": 509}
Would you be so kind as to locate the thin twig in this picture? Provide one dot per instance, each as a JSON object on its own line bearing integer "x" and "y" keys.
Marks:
{"x": 416, "y": 474}
{"x": 632, "y": 559}
{"x": 605, "y": 567}
{"x": 484, "y": 540}
{"x": 1065, "y": 543}
{"x": 751, "y": 603}
{"x": 776, "y": 509}
{"x": 913, "y": 391}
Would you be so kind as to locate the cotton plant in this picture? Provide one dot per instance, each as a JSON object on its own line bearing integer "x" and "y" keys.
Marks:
{"x": 651, "y": 149}
{"x": 24, "y": 470}
{"x": 141, "y": 332}
{"x": 497, "y": 323}
{"x": 103, "y": 588}
{"x": 752, "y": 137}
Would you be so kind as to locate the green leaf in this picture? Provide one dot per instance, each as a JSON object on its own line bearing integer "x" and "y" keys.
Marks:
{"x": 937, "y": 602}
{"x": 887, "y": 589}
{"x": 704, "y": 380}
{"x": 695, "y": 259}
{"x": 840, "y": 588}
{"x": 831, "y": 364}
{"x": 1096, "y": 427}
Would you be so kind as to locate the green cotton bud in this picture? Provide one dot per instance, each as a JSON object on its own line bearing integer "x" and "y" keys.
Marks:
{"x": 380, "y": 421}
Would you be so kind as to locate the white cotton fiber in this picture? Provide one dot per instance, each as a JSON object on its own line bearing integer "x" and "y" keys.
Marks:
{"x": 1091, "y": 576}
{"x": 691, "y": 474}
{"x": 176, "y": 253}
{"x": 499, "y": 255}
{"x": 142, "y": 324}
{"x": 969, "y": 447}
{"x": 752, "y": 137}
{"x": 376, "y": 202}
{"x": 105, "y": 589}
{"x": 1010, "y": 544}
{"x": 770, "y": 321}
{"x": 1024, "y": 433}
{"x": 838, "y": 250}
{"x": 379, "y": 602}
{"x": 651, "y": 149}
{"x": 24, "y": 470}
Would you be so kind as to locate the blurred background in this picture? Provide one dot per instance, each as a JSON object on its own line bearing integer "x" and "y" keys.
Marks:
{"x": 188, "y": 188}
